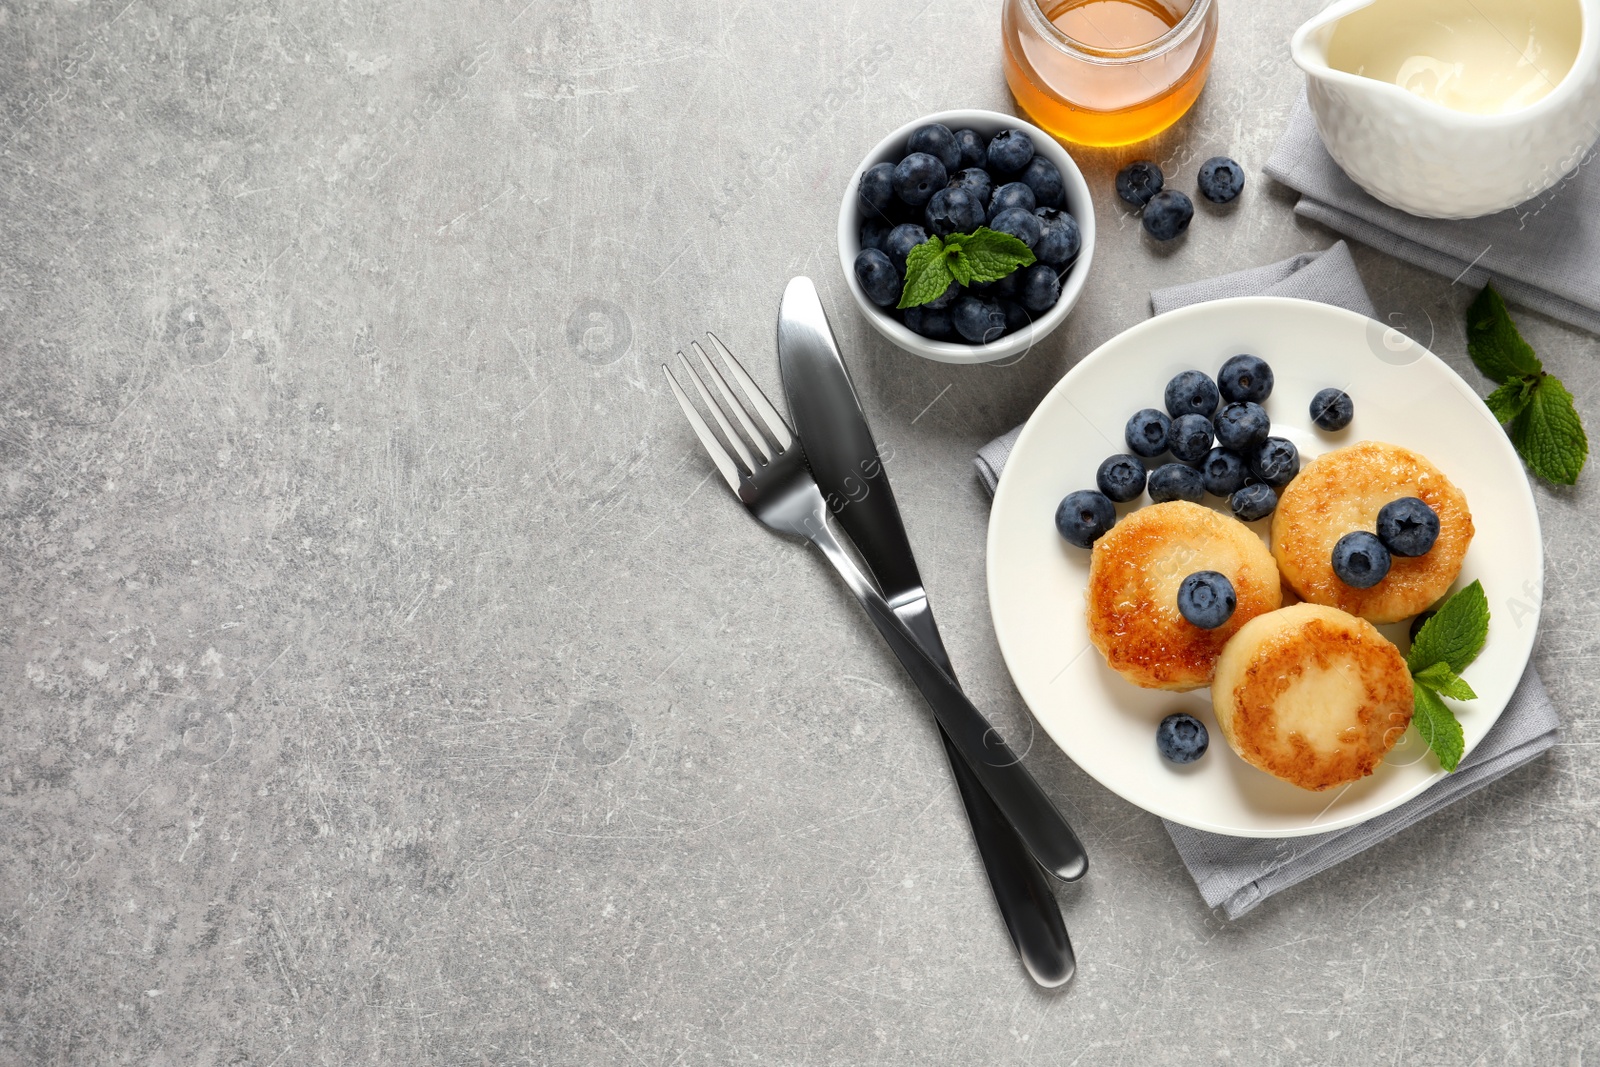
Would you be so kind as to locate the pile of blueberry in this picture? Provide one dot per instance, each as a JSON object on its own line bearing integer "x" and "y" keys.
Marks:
{"x": 1228, "y": 453}
{"x": 954, "y": 181}
{"x": 1166, "y": 213}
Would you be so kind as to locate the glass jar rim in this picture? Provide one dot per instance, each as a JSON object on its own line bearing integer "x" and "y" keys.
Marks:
{"x": 1181, "y": 29}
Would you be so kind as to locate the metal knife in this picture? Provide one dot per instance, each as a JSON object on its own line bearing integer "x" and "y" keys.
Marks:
{"x": 848, "y": 467}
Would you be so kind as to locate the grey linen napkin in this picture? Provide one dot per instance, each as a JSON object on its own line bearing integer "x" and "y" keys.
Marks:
{"x": 1237, "y": 873}
{"x": 1543, "y": 254}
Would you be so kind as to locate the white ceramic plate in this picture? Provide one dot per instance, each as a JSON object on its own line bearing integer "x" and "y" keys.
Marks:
{"x": 1403, "y": 394}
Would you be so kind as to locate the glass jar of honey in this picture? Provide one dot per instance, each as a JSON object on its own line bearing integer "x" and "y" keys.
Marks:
{"x": 1107, "y": 72}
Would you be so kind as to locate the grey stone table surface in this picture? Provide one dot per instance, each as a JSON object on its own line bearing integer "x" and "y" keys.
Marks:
{"x": 386, "y": 680}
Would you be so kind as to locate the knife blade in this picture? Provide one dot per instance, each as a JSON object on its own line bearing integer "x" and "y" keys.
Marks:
{"x": 848, "y": 467}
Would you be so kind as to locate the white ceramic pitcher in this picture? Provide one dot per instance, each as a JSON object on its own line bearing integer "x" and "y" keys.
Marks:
{"x": 1431, "y": 160}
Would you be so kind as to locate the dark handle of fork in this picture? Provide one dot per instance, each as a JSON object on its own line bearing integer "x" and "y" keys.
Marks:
{"x": 997, "y": 768}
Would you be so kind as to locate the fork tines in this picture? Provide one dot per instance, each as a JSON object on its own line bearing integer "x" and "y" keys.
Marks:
{"x": 749, "y": 401}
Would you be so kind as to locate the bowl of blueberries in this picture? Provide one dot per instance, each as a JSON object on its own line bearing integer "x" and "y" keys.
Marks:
{"x": 965, "y": 176}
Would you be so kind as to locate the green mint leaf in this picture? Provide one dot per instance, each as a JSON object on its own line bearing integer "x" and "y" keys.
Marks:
{"x": 1455, "y": 635}
{"x": 958, "y": 263}
{"x": 992, "y": 254}
{"x": 1507, "y": 402}
{"x": 927, "y": 274}
{"x": 1446, "y": 682}
{"x": 1549, "y": 435}
{"x": 1493, "y": 341}
{"x": 1437, "y": 726}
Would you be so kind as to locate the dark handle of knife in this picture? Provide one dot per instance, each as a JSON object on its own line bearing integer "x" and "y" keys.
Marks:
{"x": 1021, "y": 891}
{"x": 1035, "y": 819}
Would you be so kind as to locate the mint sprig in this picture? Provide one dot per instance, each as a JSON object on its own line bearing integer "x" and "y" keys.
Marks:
{"x": 1545, "y": 428}
{"x": 1443, "y": 648}
{"x": 983, "y": 255}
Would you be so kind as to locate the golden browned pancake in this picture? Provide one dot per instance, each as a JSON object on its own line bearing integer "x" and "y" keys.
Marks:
{"x": 1312, "y": 695}
{"x": 1134, "y": 576}
{"x": 1343, "y": 491}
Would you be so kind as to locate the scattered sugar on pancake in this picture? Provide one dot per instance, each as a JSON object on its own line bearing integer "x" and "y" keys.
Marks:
{"x": 1135, "y": 573}
{"x": 1341, "y": 493}
{"x": 1312, "y": 695}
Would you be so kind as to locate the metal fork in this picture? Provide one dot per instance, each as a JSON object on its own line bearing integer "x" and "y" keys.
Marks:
{"x": 770, "y": 477}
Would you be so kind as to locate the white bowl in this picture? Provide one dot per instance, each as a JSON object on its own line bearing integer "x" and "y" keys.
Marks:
{"x": 891, "y": 149}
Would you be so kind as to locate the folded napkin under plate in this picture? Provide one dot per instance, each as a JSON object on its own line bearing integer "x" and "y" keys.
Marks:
{"x": 1236, "y": 873}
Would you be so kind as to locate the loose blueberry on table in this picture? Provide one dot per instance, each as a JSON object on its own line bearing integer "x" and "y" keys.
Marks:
{"x": 1332, "y": 409}
{"x": 1083, "y": 516}
{"x": 1360, "y": 560}
{"x": 1182, "y": 738}
{"x": 1139, "y": 181}
{"x": 1408, "y": 526}
{"x": 1206, "y": 599}
{"x": 1167, "y": 214}
{"x": 1220, "y": 179}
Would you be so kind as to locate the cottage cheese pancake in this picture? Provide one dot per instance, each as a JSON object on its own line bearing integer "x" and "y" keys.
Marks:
{"x": 1134, "y": 576}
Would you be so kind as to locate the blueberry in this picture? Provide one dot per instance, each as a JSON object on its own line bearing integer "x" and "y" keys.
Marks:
{"x": 1223, "y": 472}
{"x": 1039, "y": 288}
{"x": 1020, "y": 223}
{"x": 954, "y": 210}
{"x": 874, "y": 232}
{"x": 1146, "y": 432}
{"x": 976, "y": 181}
{"x": 1016, "y": 315}
{"x": 1417, "y": 623}
{"x": 1004, "y": 289}
{"x": 1059, "y": 237}
{"x": 1220, "y": 179}
{"x": 1360, "y": 560}
{"x": 1191, "y": 393}
{"x": 1275, "y": 461}
{"x": 1207, "y": 599}
{"x": 1084, "y": 516}
{"x": 1408, "y": 526}
{"x": 1189, "y": 439}
{"x": 1009, "y": 152}
{"x": 1120, "y": 477}
{"x": 932, "y": 323}
{"x": 1139, "y": 181}
{"x": 918, "y": 177}
{"x": 974, "y": 150}
{"x": 946, "y": 298}
{"x": 936, "y": 140}
{"x": 875, "y": 190}
{"x": 1242, "y": 426}
{"x": 901, "y": 240}
{"x": 1010, "y": 195}
{"x": 1254, "y": 502}
{"x": 978, "y": 319}
{"x": 1332, "y": 409}
{"x": 878, "y": 278}
{"x": 1044, "y": 179}
{"x": 1245, "y": 378}
{"x": 1182, "y": 738}
{"x": 1174, "y": 481}
{"x": 1167, "y": 214}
